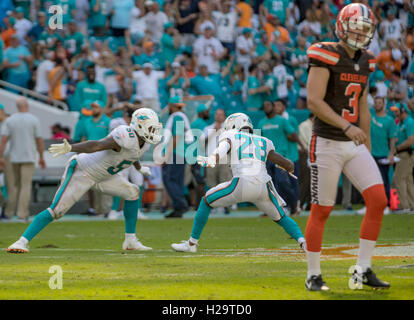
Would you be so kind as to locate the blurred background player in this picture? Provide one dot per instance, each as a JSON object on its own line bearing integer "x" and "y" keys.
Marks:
{"x": 337, "y": 95}
{"x": 97, "y": 166}
{"x": 247, "y": 154}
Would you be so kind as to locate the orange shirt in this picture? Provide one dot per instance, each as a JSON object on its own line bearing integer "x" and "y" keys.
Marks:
{"x": 386, "y": 64}
{"x": 6, "y": 35}
{"x": 246, "y": 15}
{"x": 284, "y": 34}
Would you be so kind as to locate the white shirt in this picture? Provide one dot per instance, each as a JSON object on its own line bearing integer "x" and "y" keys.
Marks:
{"x": 391, "y": 29}
{"x": 22, "y": 27}
{"x": 155, "y": 24}
{"x": 147, "y": 85}
{"x": 226, "y": 25}
{"x": 280, "y": 73}
{"x": 245, "y": 44}
{"x": 42, "y": 73}
{"x": 314, "y": 26}
{"x": 203, "y": 48}
{"x": 137, "y": 23}
{"x": 104, "y": 164}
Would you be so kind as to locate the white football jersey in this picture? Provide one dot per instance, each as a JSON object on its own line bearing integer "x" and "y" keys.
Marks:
{"x": 248, "y": 154}
{"x": 104, "y": 164}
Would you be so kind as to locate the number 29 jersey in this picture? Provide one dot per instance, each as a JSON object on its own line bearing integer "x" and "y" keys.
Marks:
{"x": 347, "y": 82}
{"x": 248, "y": 154}
{"x": 104, "y": 164}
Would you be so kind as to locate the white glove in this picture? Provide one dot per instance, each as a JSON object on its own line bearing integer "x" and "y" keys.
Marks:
{"x": 209, "y": 162}
{"x": 60, "y": 148}
{"x": 146, "y": 171}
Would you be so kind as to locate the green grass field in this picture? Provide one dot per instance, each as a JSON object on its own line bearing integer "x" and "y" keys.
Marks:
{"x": 238, "y": 258}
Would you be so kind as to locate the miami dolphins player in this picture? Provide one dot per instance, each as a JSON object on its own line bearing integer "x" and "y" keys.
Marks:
{"x": 247, "y": 153}
{"x": 97, "y": 166}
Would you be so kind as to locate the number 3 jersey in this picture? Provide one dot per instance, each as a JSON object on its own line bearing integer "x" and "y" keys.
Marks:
{"x": 248, "y": 154}
{"x": 104, "y": 164}
{"x": 347, "y": 82}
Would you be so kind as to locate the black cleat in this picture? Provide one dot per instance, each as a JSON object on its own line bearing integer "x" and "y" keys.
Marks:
{"x": 369, "y": 278}
{"x": 315, "y": 283}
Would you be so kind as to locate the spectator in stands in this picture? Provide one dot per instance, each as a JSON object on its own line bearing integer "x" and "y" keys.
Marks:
{"x": 59, "y": 133}
{"x": 312, "y": 22}
{"x": 390, "y": 59}
{"x": 169, "y": 44}
{"x": 8, "y": 31}
{"x": 173, "y": 166}
{"x": 280, "y": 72}
{"x": 186, "y": 14}
{"x": 277, "y": 8}
{"x": 89, "y": 89}
{"x": 391, "y": 27}
{"x": 226, "y": 21}
{"x": 155, "y": 21}
{"x": 75, "y": 40}
{"x": 23, "y": 131}
{"x": 177, "y": 81}
{"x": 208, "y": 50}
{"x": 147, "y": 86}
{"x": 397, "y": 92}
{"x": 245, "y": 48}
{"x": 120, "y": 11}
{"x": 81, "y": 16}
{"x": 255, "y": 90}
{"x": 99, "y": 13}
{"x": 34, "y": 33}
{"x": 403, "y": 175}
{"x": 22, "y": 25}
{"x": 17, "y": 61}
{"x": 246, "y": 14}
{"x": 294, "y": 101}
{"x": 58, "y": 80}
{"x": 278, "y": 130}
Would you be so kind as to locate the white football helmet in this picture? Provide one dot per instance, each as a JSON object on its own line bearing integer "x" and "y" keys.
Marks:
{"x": 145, "y": 122}
{"x": 237, "y": 121}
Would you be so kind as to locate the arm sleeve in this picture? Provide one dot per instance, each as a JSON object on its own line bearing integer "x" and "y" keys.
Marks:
{"x": 223, "y": 148}
{"x": 288, "y": 128}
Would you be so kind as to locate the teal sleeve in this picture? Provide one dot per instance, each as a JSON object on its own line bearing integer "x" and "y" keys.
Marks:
{"x": 288, "y": 128}
{"x": 167, "y": 41}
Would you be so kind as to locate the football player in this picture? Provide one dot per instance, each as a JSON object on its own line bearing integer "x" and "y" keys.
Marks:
{"x": 251, "y": 183}
{"x": 337, "y": 94}
{"x": 97, "y": 166}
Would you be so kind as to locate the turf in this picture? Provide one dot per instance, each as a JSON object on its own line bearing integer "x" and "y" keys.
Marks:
{"x": 239, "y": 258}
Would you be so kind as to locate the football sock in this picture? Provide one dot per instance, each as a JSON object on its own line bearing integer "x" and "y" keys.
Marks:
{"x": 37, "y": 225}
{"x": 314, "y": 228}
{"x": 376, "y": 201}
{"x": 116, "y": 201}
{"x": 366, "y": 247}
{"x": 130, "y": 236}
{"x": 130, "y": 215}
{"x": 200, "y": 219}
{"x": 290, "y": 227}
{"x": 314, "y": 263}
{"x": 192, "y": 240}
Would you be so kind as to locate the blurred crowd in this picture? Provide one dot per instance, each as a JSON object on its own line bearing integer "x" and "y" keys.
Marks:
{"x": 101, "y": 57}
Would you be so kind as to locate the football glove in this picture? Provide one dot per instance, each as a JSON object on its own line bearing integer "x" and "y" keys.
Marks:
{"x": 146, "y": 171}
{"x": 209, "y": 162}
{"x": 60, "y": 148}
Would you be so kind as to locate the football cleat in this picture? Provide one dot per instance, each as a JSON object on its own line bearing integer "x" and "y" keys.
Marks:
{"x": 315, "y": 283}
{"x": 115, "y": 215}
{"x": 18, "y": 247}
{"x": 368, "y": 278}
{"x": 184, "y": 246}
{"x": 134, "y": 244}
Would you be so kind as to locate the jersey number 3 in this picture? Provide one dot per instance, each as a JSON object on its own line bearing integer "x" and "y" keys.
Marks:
{"x": 353, "y": 90}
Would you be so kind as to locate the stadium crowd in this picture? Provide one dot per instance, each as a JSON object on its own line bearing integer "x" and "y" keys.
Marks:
{"x": 109, "y": 57}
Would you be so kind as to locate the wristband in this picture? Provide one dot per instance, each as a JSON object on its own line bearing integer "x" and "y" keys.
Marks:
{"x": 346, "y": 129}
